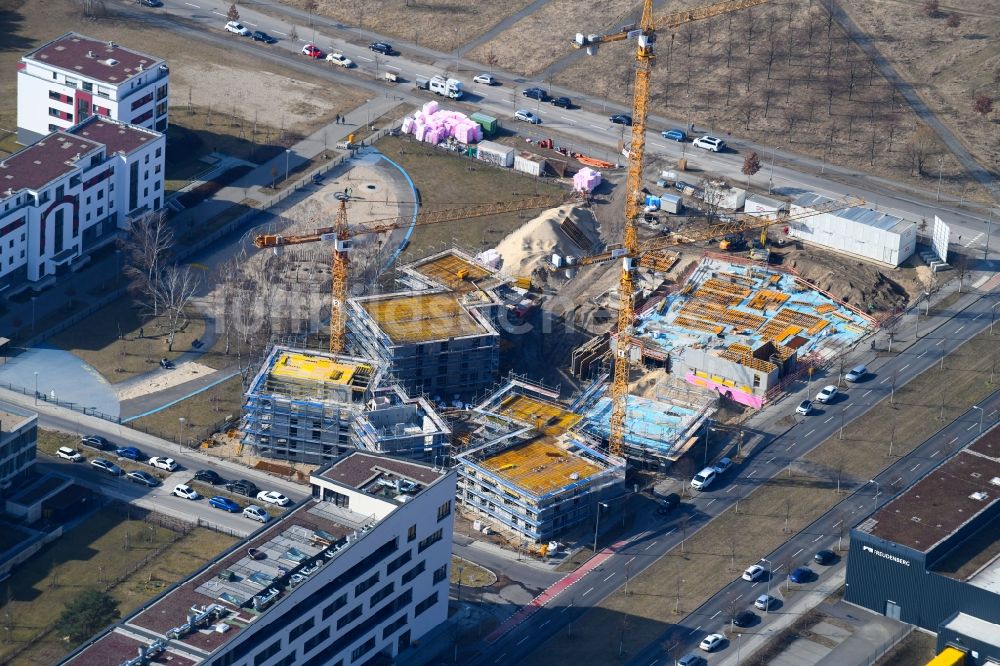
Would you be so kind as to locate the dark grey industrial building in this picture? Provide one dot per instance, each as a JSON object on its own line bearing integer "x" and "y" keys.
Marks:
{"x": 931, "y": 556}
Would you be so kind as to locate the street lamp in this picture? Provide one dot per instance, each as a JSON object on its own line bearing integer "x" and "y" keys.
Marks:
{"x": 461, "y": 568}
{"x": 707, "y": 420}
{"x": 180, "y": 429}
{"x": 770, "y": 572}
{"x": 36, "y": 388}
{"x": 739, "y": 644}
{"x": 600, "y": 505}
{"x": 993, "y": 316}
{"x": 981, "y": 413}
{"x": 876, "y": 491}
{"x": 288, "y": 151}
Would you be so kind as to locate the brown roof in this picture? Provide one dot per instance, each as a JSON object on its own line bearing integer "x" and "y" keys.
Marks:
{"x": 42, "y": 162}
{"x": 92, "y": 58}
{"x": 358, "y": 469}
{"x": 117, "y": 136}
{"x": 115, "y": 648}
{"x": 935, "y": 507}
{"x": 988, "y": 445}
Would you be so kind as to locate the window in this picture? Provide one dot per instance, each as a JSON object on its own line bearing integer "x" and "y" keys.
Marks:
{"x": 351, "y": 616}
{"x": 89, "y": 87}
{"x": 267, "y": 653}
{"x": 146, "y": 161}
{"x": 289, "y": 660}
{"x": 414, "y": 572}
{"x": 301, "y": 629}
{"x": 316, "y": 639}
{"x": 54, "y": 112}
{"x": 444, "y": 511}
{"x": 381, "y": 594}
{"x": 360, "y": 588}
{"x": 425, "y": 604}
{"x": 54, "y": 95}
{"x": 429, "y": 541}
{"x": 100, "y": 195}
{"x": 53, "y": 128}
{"x": 411, "y": 534}
{"x": 399, "y": 561}
{"x": 362, "y": 649}
{"x": 337, "y": 604}
{"x": 394, "y": 626}
{"x": 441, "y": 573}
{"x": 53, "y": 76}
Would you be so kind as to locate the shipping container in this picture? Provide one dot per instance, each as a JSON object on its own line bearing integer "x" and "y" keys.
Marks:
{"x": 529, "y": 163}
{"x": 489, "y": 124}
{"x": 671, "y": 203}
{"x": 495, "y": 153}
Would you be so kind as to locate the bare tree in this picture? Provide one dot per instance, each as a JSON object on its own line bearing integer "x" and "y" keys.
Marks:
{"x": 147, "y": 250}
{"x": 922, "y": 146}
{"x": 233, "y": 14}
{"x": 954, "y": 20}
{"x": 751, "y": 165}
{"x": 293, "y": 33}
{"x": 932, "y": 8}
{"x": 94, "y": 9}
{"x": 178, "y": 285}
{"x": 747, "y": 108}
{"x": 983, "y": 105}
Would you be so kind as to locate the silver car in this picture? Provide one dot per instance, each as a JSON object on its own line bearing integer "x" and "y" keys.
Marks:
{"x": 527, "y": 116}
{"x": 856, "y": 374}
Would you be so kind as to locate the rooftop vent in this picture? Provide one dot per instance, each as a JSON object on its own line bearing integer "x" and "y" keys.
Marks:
{"x": 111, "y": 45}
{"x": 995, "y": 481}
{"x": 110, "y": 62}
{"x": 90, "y": 54}
{"x": 979, "y": 496}
{"x": 915, "y": 519}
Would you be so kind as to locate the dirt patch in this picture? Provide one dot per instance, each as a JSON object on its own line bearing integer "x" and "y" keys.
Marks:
{"x": 163, "y": 379}
{"x": 438, "y": 24}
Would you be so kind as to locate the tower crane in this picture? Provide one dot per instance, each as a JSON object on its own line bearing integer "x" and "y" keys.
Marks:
{"x": 645, "y": 36}
{"x": 341, "y": 234}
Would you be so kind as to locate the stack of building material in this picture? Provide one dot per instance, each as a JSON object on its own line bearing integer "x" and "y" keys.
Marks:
{"x": 586, "y": 179}
{"x": 434, "y": 125}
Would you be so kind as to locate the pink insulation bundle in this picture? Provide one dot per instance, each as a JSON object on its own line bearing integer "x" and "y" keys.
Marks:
{"x": 421, "y": 132}
{"x": 434, "y": 125}
{"x": 430, "y": 108}
{"x": 586, "y": 179}
{"x": 408, "y": 124}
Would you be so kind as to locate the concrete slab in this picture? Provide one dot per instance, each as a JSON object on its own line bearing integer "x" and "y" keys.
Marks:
{"x": 802, "y": 652}
{"x": 831, "y": 631}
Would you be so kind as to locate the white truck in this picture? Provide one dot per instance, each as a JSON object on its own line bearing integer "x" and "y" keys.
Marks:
{"x": 451, "y": 88}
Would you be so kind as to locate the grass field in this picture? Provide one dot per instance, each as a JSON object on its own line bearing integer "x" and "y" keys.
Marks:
{"x": 798, "y": 496}
{"x": 444, "y": 179}
{"x": 101, "y": 552}
{"x": 202, "y": 414}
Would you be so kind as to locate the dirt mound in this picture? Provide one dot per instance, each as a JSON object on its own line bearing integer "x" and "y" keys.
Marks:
{"x": 538, "y": 239}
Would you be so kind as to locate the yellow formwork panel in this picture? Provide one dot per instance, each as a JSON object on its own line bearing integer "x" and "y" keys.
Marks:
{"x": 307, "y": 367}
{"x": 545, "y": 416}
{"x": 453, "y": 272}
{"x": 540, "y": 466}
{"x": 422, "y": 318}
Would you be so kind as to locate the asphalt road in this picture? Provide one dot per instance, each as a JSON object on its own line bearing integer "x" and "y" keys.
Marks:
{"x": 770, "y": 454}
{"x": 581, "y": 128}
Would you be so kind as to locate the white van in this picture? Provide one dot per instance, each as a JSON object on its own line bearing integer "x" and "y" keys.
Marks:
{"x": 704, "y": 478}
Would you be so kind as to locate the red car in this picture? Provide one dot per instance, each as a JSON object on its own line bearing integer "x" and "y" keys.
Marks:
{"x": 311, "y": 51}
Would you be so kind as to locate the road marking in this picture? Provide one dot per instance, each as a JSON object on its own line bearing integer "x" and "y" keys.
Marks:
{"x": 904, "y": 367}
{"x": 796, "y": 553}
{"x": 710, "y": 503}
{"x": 778, "y": 568}
{"x": 817, "y": 538}
{"x": 717, "y": 613}
{"x": 524, "y": 639}
{"x": 588, "y": 591}
{"x": 960, "y": 328}
{"x": 751, "y": 473}
{"x": 500, "y": 657}
{"x": 940, "y": 342}
{"x": 731, "y": 489}
{"x": 694, "y": 630}
{"x": 953, "y": 440}
{"x": 914, "y": 468}
{"x": 650, "y": 546}
{"x": 220, "y": 13}
{"x": 566, "y": 608}
{"x": 364, "y": 58}
{"x": 254, "y": 25}
{"x": 755, "y": 585}
{"x": 898, "y": 479}
{"x": 993, "y": 412}
{"x": 771, "y": 460}
{"x": 884, "y": 380}
{"x": 630, "y": 561}
{"x": 654, "y": 662}
{"x": 190, "y": 5}
{"x": 850, "y": 404}
{"x": 610, "y": 576}
{"x": 977, "y": 316}
{"x": 867, "y": 392}
{"x": 838, "y": 522}
{"x": 544, "y": 623}
{"x": 828, "y": 420}
{"x": 279, "y": 33}
{"x": 397, "y": 69}
{"x": 921, "y": 354}
{"x": 935, "y": 453}
{"x": 738, "y": 598}
{"x": 970, "y": 427}
{"x": 789, "y": 447}
{"x": 566, "y": 118}
{"x": 807, "y": 434}
{"x": 600, "y": 127}
{"x": 672, "y": 530}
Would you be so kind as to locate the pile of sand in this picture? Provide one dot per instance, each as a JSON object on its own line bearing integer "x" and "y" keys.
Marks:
{"x": 162, "y": 379}
{"x": 535, "y": 241}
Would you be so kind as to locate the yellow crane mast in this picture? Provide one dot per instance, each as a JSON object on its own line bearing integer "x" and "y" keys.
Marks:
{"x": 645, "y": 36}
{"x": 341, "y": 235}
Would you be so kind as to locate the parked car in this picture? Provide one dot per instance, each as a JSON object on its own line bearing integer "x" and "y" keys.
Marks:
{"x": 145, "y": 478}
{"x": 381, "y": 47}
{"x": 256, "y": 513}
{"x": 856, "y": 374}
{"x": 711, "y": 143}
{"x": 754, "y": 572}
{"x": 97, "y": 442}
{"x": 243, "y": 487}
{"x": 691, "y": 660}
{"x": 801, "y": 575}
{"x": 261, "y": 36}
{"x": 312, "y": 51}
{"x": 805, "y": 408}
{"x": 825, "y": 557}
{"x": 224, "y": 503}
{"x": 712, "y": 642}
{"x": 680, "y": 185}
{"x": 621, "y": 119}
{"x": 827, "y": 394}
{"x": 527, "y": 116}
{"x": 486, "y": 79}
{"x": 166, "y": 364}
{"x": 186, "y": 491}
{"x": 129, "y": 453}
{"x": 723, "y": 465}
{"x": 273, "y": 497}
{"x": 535, "y": 93}
{"x": 765, "y": 602}
{"x": 164, "y": 463}
{"x": 562, "y": 102}
{"x": 106, "y": 466}
{"x": 704, "y": 478}
{"x": 744, "y": 618}
{"x": 208, "y": 476}
{"x": 237, "y": 28}
{"x": 668, "y": 503}
{"x": 66, "y": 453}
{"x": 340, "y": 59}
{"x": 674, "y": 135}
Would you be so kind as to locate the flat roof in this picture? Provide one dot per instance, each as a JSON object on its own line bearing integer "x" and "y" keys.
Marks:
{"x": 313, "y": 368}
{"x": 453, "y": 271}
{"x": 974, "y": 627}
{"x": 411, "y": 318}
{"x": 859, "y": 214}
{"x": 548, "y": 418}
{"x": 117, "y": 136}
{"x": 93, "y": 58}
{"x": 359, "y": 470}
{"x": 40, "y": 163}
{"x": 939, "y": 504}
{"x": 541, "y": 465}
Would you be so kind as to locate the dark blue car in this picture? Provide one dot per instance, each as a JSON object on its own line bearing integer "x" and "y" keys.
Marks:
{"x": 801, "y": 575}
{"x": 130, "y": 453}
{"x": 674, "y": 135}
{"x": 225, "y": 504}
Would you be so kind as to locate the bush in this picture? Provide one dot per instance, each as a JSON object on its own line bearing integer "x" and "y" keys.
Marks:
{"x": 87, "y": 614}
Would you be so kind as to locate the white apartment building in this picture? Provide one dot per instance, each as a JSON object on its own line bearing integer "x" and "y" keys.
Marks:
{"x": 353, "y": 575}
{"x": 71, "y": 78}
{"x": 69, "y": 193}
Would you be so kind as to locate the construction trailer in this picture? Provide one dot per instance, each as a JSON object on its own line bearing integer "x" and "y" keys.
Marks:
{"x": 396, "y": 424}
{"x": 529, "y": 163}
{"x": 857, "y": 231}
{"x": 495, "y": 153}
{"x": 760, "y": 206}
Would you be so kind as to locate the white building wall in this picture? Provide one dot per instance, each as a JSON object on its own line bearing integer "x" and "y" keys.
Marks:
{"x": 844, "y": 235}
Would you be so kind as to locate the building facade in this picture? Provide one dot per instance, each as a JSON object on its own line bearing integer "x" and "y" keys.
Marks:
{"x": 18, "y": 439}
{"x": 71, "y": 192}
{"x": 399, "y": 425}
{"x": 354, "y": 575}
{"x": 73, "y": 77}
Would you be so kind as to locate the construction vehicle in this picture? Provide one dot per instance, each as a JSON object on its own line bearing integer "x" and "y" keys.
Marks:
{"x": 451, "y": 88}
{"x": 645, "y": 35}
{"x": 341, "y": 235}
{"x": 733, "y": 243}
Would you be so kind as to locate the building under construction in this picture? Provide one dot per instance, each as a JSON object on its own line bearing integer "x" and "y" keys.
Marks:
{"x": 439, "y": 337}
{"x": 397, "y": 424}
{"x": 528, "y": 471}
